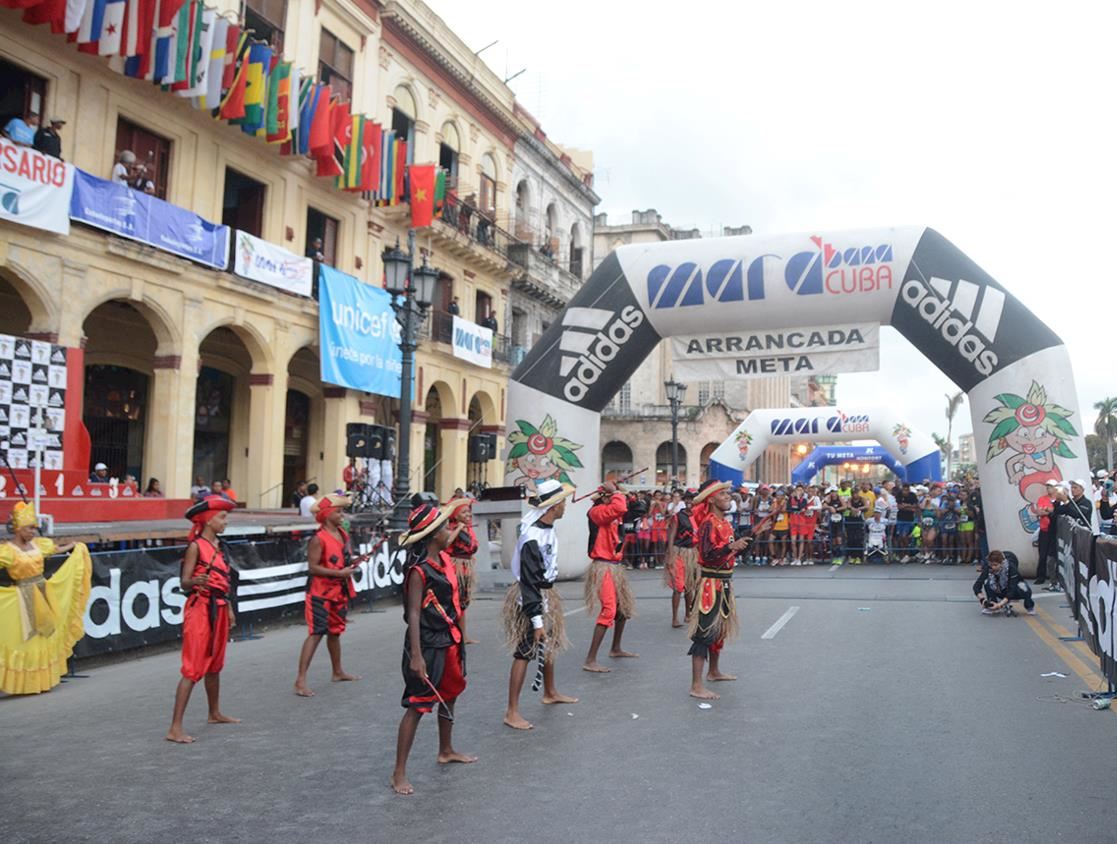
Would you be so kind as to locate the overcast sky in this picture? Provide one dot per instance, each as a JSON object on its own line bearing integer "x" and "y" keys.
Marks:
{"x": 992, "y": 123}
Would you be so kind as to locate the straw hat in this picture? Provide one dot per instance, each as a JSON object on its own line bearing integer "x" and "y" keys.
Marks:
{"x": 452, "y": 506}
{"x": 330, "y": 502}
{"x": 711, "y": 487}
{"x": 423, "y": 521}
{"x": 548, "y": 493}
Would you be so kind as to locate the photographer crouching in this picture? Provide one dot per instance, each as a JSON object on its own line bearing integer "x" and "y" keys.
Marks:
{"x": 999, "y": 583}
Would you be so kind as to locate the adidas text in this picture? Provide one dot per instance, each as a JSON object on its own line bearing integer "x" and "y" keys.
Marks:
{"x": 605, "y": 346}
{"x": 954, "y": 329}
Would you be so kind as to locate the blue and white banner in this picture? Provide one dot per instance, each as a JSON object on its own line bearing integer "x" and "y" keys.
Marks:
{"x": 138, "y": 216}
{"x": 358, "y": 334}
{"x": 473, "y": 342}
{"x": 266, "y": 263}
{"x": 34, "y": 188}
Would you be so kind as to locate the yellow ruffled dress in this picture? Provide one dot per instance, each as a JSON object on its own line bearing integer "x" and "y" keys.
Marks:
{"x": 40, "y": 619}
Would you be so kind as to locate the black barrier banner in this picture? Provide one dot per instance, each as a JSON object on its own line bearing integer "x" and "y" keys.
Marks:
{"x": 1064, "y": 554}
{"x": 135, "y": 599}
{"x": 1102, "y": 596}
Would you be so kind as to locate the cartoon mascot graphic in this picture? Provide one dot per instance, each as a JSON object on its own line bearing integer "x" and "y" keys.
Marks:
{"x": 540, "y": 453}
{"x": 1034, "y": 432}
{"x": 744, "y": 440}
{"x": 902, "y": 433}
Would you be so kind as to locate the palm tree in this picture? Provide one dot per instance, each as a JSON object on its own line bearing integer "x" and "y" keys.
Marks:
{"x": 953, "y": 402}
{"x": 944, "y": 446}
{"x": 1106, "y": 426}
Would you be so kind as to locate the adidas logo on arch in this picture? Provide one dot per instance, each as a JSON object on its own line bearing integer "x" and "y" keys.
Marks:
{"x": 591, "y": 339}
{"x": 964, "y": 322}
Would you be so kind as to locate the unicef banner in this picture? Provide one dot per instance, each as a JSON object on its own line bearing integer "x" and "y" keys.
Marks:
{"x": 473, "y": 342}
{"x": 359, "y": 336}
{"x": 34, "y": 188}
{"x": 823, "y": 350}
{"x": 258, "y": 260}
{"x": 138, "y": 216}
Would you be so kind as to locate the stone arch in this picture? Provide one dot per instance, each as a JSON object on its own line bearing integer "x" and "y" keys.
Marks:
{"x": 257, "y": 345}
{"x": 616, "y": 460}
{"x": 663, "y": 464}
{"x": 486, "y": 407}
{"x": 489, "y": 165}
{"x": 406, "y": 101}
{"x": 33, "y": 296}
{"x": 704, "y": 460}
{"x": 168, "y": 335}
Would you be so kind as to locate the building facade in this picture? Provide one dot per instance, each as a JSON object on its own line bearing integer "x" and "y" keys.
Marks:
{"x": 193, "y": 371}
{"x": 637, "y": 423}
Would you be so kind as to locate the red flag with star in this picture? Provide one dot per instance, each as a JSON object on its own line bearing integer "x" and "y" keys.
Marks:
{"x": 421, "y": 180}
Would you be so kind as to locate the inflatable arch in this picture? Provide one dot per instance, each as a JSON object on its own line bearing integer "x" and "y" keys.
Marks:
{"x": 829, "y": 455}
{"x": 1015, "y": 370}
{"x": 914, "y": 450}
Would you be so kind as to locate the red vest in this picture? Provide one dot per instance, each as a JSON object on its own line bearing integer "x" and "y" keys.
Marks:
{"x": 335, "y": 555}
{"x": 212, "y": 562}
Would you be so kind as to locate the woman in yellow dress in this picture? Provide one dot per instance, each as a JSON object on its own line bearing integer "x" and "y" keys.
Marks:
{"x": 40, "y": 619}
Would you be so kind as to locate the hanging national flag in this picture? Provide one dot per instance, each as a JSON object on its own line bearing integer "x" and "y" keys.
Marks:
{"x": 232, "y": 105}
{"x": 308, "y": 104}
{"x": 188, "y": 31}
{"x": 197, "y": 63}
{"x": 439, "y": 192}
{"x": 236, "y": 43}
{"x": 350, "y": 178}
{"x": 370, "y": 155}
{"x": 421, "y": 179}
{"x": 92, "y": 25}
{"x": 321, "y": 140}
{"x": 75, "y": 11}
{"x": 400, "y": 190}
{"x": 113, "y": 29}
{"x": 139, "y": 21}
{"x": 277, "y": 125}
{"x": 18, "y": 4}
{"x": 256, "y": 87}
{"x": 47, "y": 11}
{"x": 211, "y": 97}
{"x": 294, "y": 89}
{"x": 166, "y": 20}
{"x": 341, "y": 130}
{"x": 386, "y": 179}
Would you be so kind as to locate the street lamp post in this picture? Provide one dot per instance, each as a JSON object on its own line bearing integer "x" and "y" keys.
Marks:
{"x": 412, "y": 289}
{"x": 675, "y": 394}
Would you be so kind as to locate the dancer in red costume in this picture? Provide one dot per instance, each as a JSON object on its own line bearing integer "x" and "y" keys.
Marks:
{"x": 607, "y": 582}
{"x": 208, "y": 614}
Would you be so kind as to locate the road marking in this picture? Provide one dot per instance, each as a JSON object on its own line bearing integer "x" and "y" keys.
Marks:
{"x": 1092, "y": 677}
{"x": 576, "y": 609}
{"x": 771, "y": 632}
{"x": 835, "y": 567}
{"x": 1061, "y": 630}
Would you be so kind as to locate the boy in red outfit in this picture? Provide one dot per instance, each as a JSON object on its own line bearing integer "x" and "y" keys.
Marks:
{"x": 328, "y": 590}
{"x": 607, "y": 582}
{"x": 208, "y": 614}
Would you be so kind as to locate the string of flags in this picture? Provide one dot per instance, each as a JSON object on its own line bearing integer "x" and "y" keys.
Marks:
{"x": 191, "y": 51}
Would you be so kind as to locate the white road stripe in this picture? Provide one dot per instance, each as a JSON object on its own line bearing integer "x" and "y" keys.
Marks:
{"x": 771, "y": 632}
{"x": 835, "y": 567}
{"x": 576, "y": 609}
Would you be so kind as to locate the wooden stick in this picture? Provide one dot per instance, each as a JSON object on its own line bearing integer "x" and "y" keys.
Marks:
{"x": 618, "y": 481}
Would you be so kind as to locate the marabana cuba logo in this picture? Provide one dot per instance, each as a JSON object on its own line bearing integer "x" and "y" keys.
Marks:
{"x": 824, "y": 269}
{"x": 840, "y": 423}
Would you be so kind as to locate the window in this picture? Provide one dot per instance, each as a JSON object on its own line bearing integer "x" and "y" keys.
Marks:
{"x": 719, "y": 389}
{"x": 20, "y": 93}
{"x": 152, "y": 152}
{"x": 243, "y": 206}
{"x": 576, "y": 251}
{"x": 488, "y": 186}
{"x": 624, "y": 399}
{"x": 335, "y": 64}
{"x": 319, "y": 225}
{"x": 403, "y": 119}
{"x": 483, "y": 306}
{"x": 703, "y": 393}
{"x": 267, "y": 18}
{"x": 448, "y": 154}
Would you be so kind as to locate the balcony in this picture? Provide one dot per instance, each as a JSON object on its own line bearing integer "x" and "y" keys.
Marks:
{"x": 464, "y": 231}
{"x": 439, "y": 328}
{"x": 542, "y": 277}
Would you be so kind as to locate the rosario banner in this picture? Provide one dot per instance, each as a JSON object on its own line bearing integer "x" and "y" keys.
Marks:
{"x": 358, "y": 335}
{"x": 473, "y": 342}
{"x": 825, "y": 350}
{"x": 34, "y": 188}
{"x": 138, "y": 216}
{"x": 267, "y": 263}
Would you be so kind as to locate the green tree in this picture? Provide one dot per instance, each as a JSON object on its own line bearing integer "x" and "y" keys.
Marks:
{"x": 953, "y": 402}
{"x": 1095, "y": 450}
{"x": 944, "y": 446}
{"x": 1106, "y": 426}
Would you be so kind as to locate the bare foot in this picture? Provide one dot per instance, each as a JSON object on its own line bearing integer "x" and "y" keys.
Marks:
{"x": 557, "y": 698}
{"x": 218, "y": 718}
{"x": 676, "y": 624}
{"x": 179, "y": 737}
{"x": 720, "y": 678}
{"x": 303, "y": 690}
{"x": 342, "y": 677}
{"x": 517, "y": 722}
{"x": 473, "y": 641}
{"x": 400, "y": 785}
{"x": 622, "y": 655}
{"x": 596, "y": 668}
{"x": 454, "y": 756}
{"x": 704, "y": 694}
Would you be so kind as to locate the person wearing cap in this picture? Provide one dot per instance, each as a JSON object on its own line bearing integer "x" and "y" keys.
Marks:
{"x": 533, "y": 619}
{"x": 47, "y": 139}
{"x": 716, "y": 618}
{"x": 329, "y": 589}
{"x": 463, "y": 550}
{"x": 433, "y": 650}
{"x": 40, "y": 617}
{"x": 607, "y": 582}
{"x": 1076, "y": 504}
{"x": 680, "y": 571}
{"x": 208, "y": 615}
{"x": 100, "y": 474}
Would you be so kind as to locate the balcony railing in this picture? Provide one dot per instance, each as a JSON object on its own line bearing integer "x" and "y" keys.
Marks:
{"x": 543, "y": 278}
{"x": 440, "y": 329}
{"x": 466, "y": 218}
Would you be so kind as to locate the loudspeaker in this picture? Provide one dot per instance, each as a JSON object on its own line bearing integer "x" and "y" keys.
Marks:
{"x": 357, "y": 439}
{"x": 389, "y": 441}
{"x": 482, "y": 448}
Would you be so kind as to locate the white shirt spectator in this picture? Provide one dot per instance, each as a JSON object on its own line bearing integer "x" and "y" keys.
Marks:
{"x": 876, "y": 533}
{"x": 120, "y": 174}
{"x": 307, "y": 502}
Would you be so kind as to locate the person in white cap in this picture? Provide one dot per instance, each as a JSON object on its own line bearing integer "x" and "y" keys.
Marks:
{"x": 533, "y": 618}
{"x": 100, "y": 474}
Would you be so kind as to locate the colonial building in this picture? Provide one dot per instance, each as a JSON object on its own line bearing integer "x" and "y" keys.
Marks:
{"x": 191, "y": 370}
{"x": 636, "y": 425}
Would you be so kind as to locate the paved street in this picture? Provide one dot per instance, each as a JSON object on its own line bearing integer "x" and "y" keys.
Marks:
{"x": 886, "y": 708}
